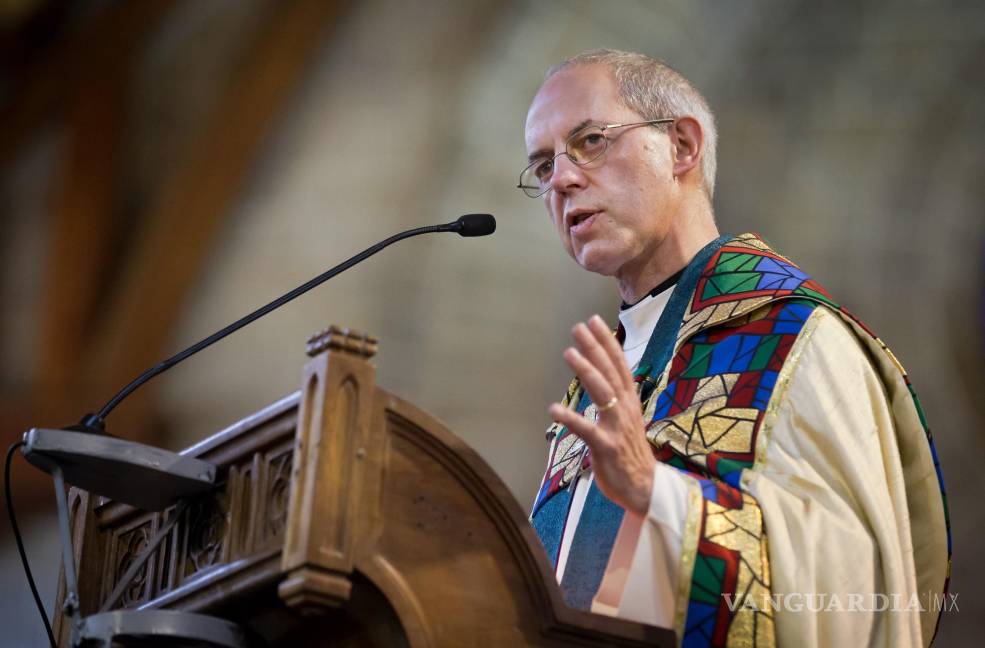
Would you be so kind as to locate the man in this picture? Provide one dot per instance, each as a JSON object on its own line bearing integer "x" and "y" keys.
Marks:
{"x": 743, "y": 459}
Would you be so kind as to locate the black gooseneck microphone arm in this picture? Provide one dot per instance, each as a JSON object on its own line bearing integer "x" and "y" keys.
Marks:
{"x": 468, "y": 225}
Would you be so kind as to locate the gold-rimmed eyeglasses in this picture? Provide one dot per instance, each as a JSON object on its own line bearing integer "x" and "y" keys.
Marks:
{"x": 584, "y": 146}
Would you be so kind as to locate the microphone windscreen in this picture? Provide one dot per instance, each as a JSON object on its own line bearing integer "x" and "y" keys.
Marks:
{"x": 476, "y": 225}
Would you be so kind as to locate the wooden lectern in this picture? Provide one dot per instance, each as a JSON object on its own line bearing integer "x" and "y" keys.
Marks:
{"x": 345, "y": 516}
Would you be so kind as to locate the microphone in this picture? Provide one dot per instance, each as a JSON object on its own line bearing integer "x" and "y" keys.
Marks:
{"x": 474, "y": 225}
{"x": 467, "y": 225}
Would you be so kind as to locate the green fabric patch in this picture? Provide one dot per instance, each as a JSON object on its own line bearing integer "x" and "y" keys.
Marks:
{"x": 706, "y": 582}
{"x": 727, "y": 466}
{"x": 813, "y": 294}
{"x": 736, "y": 262}
{"x": 677, "y": 462}
{"x": 731, "y": 283}
{"x": 700, "y": 361}
{"x": 765, "y": 350}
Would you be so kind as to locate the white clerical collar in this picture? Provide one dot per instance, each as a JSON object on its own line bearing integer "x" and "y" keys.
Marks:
{"x": 639, "y": 320}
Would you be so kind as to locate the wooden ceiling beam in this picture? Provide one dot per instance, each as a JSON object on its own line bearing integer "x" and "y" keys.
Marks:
{"x": 86, "y": 193}
{"x": 81, "y": 81}
{"x": 39, "y": 92}
{"x": 175, "y": 234}
{"x": 182, "y": 223}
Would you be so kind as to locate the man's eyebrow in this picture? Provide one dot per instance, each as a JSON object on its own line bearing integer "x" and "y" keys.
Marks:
{"x": 540, "y": 153}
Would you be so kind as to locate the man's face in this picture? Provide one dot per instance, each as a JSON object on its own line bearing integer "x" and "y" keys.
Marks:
{"x": 611, "y": 214}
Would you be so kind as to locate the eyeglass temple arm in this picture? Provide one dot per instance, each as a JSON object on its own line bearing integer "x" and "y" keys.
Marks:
{"x": 665, "y": 120}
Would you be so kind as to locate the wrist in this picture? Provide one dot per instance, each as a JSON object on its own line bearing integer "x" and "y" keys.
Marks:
{"x": 644, "y": 491}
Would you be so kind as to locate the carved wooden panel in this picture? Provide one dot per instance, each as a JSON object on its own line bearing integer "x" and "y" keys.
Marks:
{"x": 206, "y": 528}
{"x": 243, "y": 518}
{"x": 273, "y": 503}
{"x": 125, "y": 545}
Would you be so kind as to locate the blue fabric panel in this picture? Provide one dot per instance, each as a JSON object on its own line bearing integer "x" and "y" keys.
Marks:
{"x": 664, "y": 402}
{"x": 779, "y": 276}
{"x": 767, "y": 380}
{"x": 549, "y": 523}
{"x": 723, "y": 355}
{"x": 590, "y": 549}
{"x": 708, "y": 490}
{"x": 747, "y": 351}
{"x": 768, "y": 264}
{"x": 770, "y": 281}
{"x": 787, "y": 327}
{"x": 733, "y": 478}
{"x": 796, "y": 311}
{"x": 700, "y": 625}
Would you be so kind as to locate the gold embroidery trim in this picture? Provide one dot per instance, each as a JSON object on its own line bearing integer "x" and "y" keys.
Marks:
{"x": 783, "y": 382}
{"x": 689, "y": 549}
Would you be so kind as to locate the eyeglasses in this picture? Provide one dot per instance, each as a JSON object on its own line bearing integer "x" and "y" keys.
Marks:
{"x": 584, "y": 146}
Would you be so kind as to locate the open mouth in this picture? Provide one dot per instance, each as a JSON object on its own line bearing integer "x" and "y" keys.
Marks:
{"x": 581, "y": 221}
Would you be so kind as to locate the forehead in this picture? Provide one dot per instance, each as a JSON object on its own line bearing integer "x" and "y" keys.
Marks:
{"x": 570, "y": 97}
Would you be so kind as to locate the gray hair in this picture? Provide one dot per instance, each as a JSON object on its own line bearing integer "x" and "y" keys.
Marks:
{"x": 655, "y": 90}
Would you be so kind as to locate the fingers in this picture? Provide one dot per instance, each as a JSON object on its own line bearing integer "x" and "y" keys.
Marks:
{"x": 607, "y": 341}
{"x": 577, "y": 424}
{"x": 599, "y": 346}
{"x": 589, "y": 347}
{"x": 599, "y": 388}
{"x": 623, "y": 458}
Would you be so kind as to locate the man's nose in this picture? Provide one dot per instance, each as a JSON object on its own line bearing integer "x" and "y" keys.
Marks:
{"x": 567, "y": 175}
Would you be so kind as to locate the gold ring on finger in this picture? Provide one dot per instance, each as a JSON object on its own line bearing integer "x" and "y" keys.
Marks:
{"x": 609, "y": 405}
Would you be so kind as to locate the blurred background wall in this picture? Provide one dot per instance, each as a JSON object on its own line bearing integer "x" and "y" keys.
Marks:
{"x": 168, "y": 165}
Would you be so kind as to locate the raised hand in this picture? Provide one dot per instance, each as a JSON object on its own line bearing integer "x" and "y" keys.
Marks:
{"x": 622, "y": 458}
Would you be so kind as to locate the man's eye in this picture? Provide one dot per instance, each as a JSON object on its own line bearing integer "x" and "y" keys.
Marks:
{"x": 544, "y": 169}
{"x": 591, "y": 141}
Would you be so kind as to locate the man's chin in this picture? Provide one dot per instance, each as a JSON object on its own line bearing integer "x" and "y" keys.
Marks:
{"x": 597, "y": 262}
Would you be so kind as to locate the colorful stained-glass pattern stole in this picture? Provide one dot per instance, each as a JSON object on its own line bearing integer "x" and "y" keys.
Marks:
{"x": 719, "y": 385}
{"x": 740, "y": 278}
{"x": 748, "y": 309}
{"x": 705, "y": 422}
{"x": 730, "y": 580}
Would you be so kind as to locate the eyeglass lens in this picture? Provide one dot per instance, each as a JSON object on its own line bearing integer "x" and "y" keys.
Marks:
{"x": 583, "y": 147}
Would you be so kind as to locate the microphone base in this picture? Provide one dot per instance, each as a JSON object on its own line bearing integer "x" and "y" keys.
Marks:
{"x": 171, "y": 626}
{"x": 143, "y": 476}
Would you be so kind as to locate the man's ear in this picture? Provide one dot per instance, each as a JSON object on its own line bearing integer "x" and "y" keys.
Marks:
{"x": 688, "y": 141}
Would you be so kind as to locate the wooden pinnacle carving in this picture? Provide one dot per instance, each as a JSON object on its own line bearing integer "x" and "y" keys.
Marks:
{"x": 345, "y": 340}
